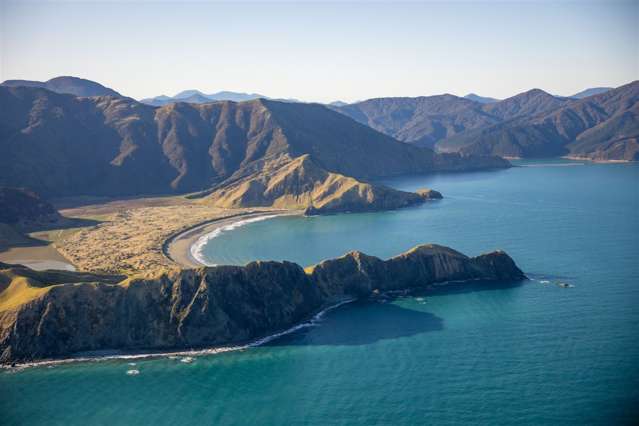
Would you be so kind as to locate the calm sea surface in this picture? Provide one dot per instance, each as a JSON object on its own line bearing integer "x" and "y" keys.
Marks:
{"x": 529, "y": 354}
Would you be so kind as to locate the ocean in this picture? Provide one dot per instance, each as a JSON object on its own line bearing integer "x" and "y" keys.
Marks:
{"x": 533, "y": 353}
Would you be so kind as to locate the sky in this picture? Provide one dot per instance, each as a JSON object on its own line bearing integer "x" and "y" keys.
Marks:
{"x": 325, "y": 51}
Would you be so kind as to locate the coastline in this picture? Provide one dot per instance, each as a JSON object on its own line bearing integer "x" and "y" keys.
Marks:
{"x": 178, "y": 248}
{"x": 593, "y": 160}
{"x": 214, "y": 350}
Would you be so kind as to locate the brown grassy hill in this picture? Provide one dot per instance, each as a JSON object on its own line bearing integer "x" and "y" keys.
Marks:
{"x": 302, "y": 184}
{"x": 63, "y": 145}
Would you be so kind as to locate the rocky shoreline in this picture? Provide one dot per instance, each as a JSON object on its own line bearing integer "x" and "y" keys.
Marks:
{"x": 55, "y": 314}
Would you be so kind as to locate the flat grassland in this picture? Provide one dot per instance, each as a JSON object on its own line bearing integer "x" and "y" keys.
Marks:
{"x": 114, "y": 236}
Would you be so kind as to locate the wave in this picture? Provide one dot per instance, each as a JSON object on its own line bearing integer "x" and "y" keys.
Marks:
{"x": 552, "y": 164}
{"x": 197, "y": 249}
{"x": 184, "y": 353}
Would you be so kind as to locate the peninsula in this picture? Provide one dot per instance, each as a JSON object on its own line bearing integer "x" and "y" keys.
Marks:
{"x": 53, "y": 314}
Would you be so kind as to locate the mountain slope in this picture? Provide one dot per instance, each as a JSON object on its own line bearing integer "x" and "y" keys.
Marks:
{"x": 528, "y": 103}
{"x": 197, "y": 97}
{"x": 19, "y": 205}
{"x": 69, "y": 85}
{"x": 591, "y": 92}
{"x": 480, "y": 99}
{"x": 425, "y": 121}
{"x": 301, "y": 184}
{"x": 604, "y": 126}
{"x": 420, "y": 121}
{"x": 64, "y": 145}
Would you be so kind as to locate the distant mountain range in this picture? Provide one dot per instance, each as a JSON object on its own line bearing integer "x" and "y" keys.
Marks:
{"x": 480, "y": 99}
{"x": 62, "y": 145}
{"x": 249, "y": 153}
{"x": 196, "y": 97}
{"x": 426, "y": 120}
{"x": 71, "y": 85}
{"x": 512, "y": 127}
{"x": 591, "y": 92}
{"x": 599, "y": 127}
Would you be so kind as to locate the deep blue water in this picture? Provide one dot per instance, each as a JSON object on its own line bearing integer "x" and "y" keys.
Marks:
{"x": 529, "y": 354}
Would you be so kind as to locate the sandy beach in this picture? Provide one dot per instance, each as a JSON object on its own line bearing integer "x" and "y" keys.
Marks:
{"x": 178, "y": 248}
{"x": 122, "y": 236}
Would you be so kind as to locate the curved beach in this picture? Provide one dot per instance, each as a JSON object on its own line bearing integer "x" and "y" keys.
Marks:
{"x": 178, "y": 248}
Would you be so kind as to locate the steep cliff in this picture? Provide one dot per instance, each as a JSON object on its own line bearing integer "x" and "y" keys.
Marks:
{"x": 56, "y": 314}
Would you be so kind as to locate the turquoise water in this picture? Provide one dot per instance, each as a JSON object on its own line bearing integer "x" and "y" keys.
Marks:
{"x": 530, "y": 354}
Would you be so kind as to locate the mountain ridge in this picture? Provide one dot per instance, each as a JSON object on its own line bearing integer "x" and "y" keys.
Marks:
{"x": 66, "y": 85}
{"x": 591, "y": 92}
{"x": 427, "y": 120}
{"x": 481, "y": 99}
{"x": 199, "y": 97}
{"x": 61, "y": 145}
{"x": 599, "y": 127}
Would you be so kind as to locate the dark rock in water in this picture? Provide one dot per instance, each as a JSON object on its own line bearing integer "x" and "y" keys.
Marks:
{"x": 58, "y": 313}
{"x": 429, "y": 194}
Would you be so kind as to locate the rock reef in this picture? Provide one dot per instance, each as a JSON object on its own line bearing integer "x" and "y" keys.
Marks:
{"x": 54, "y": 314}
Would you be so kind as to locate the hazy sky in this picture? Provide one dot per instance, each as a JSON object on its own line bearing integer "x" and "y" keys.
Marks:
{"x": 324, "y": 51}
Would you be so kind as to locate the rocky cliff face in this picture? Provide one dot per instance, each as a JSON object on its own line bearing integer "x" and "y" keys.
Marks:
{"x": 56, "y": 314}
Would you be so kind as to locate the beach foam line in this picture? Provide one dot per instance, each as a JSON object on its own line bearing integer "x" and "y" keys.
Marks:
{"x": 198, "y": 247}
{"x": 552, "y": 164}
{"x": 314, "y": 321}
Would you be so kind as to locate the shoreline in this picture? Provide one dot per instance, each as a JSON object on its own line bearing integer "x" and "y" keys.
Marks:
{"x": 207, "y": 351}
{"x": 178, "y": 248}
{"x": 593, "y": 160}
{"x": 311, "y": 320}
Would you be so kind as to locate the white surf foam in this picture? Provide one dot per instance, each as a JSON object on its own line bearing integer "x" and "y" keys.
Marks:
{"x": 181, "y": 355}
{"x": 198, "y": 247}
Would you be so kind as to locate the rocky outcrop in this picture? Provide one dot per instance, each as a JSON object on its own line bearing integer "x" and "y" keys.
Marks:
{"x": 429, "y": 194}
{"x": 56, "y": 314}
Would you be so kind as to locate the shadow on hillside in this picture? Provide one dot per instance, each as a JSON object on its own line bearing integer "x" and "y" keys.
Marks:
{"x": 42, "y": 234}
{"x": 370, "y": 321}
